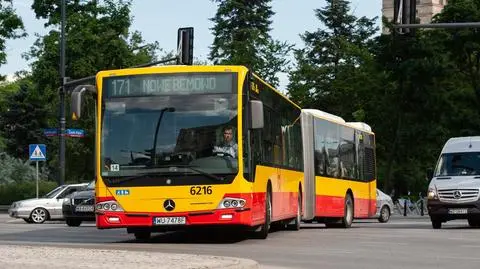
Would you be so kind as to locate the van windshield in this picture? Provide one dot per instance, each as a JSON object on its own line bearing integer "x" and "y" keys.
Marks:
{"x": 459, "y": 164}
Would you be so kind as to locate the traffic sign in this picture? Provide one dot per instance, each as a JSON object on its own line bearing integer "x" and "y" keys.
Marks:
{"x": 50, "y": 132}
{"x": 75, "y": 132}
{"x": 37, "y": 152}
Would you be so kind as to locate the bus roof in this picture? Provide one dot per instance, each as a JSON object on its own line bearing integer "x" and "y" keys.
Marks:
{"x": 172, "y": 68}
{"x": 333, "y": 118}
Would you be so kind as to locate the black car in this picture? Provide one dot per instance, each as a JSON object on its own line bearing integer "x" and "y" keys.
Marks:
{"x": 80, "y": 206}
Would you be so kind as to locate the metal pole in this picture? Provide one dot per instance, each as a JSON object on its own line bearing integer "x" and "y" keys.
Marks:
{"x": 62, "y": 95}
{"x": 440, "y": 25}
{"x": 37, "y": 179}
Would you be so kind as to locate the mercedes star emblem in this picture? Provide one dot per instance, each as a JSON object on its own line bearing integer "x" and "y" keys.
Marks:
{"x": 457, "y": 194}
{"x": 169, "y": 205}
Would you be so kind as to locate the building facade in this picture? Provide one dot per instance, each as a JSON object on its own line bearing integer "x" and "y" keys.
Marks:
{"x": 426, "y": 9}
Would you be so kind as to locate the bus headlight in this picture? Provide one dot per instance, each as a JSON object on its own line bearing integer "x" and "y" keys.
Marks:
{"x": 110, "y": 206}
{"x": 231, "y": 203}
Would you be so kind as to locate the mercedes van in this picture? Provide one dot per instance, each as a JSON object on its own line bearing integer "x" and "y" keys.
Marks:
{"x": 453, "y": 192}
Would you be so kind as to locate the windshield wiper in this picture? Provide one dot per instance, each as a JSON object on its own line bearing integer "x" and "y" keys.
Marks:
{"x": 191, "y": 167}
{"x": 121, "y": 180}
{"x": 147, "y": 174}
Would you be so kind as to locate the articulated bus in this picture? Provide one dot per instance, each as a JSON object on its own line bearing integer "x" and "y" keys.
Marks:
{"x": 340, "y": 169}
{"x": 192, "y": 146}
{"x": 164, "y": 160}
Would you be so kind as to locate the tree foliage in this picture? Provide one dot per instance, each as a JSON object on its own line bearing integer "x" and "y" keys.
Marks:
{"x": 332, "y": 59}
{"x": 241, "y": 36}
{"x": 11, "y": 27}
{"x": 98, "y": 37}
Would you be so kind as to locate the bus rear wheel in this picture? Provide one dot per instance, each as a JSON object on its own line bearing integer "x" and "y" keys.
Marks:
{"x": 298, "y": 219}
{"x": 347, "y": 219}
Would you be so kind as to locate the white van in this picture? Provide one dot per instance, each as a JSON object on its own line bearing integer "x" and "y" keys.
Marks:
{"x": 453, "y": 192}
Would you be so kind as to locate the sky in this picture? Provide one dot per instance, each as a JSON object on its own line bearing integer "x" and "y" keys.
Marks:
{"x": 159, "y": 20}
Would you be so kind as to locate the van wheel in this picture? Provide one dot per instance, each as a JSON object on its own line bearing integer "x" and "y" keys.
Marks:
{"x": 436, "y": 224}
{"x": 265, "y": 228}
{"x": 474, "y": 223}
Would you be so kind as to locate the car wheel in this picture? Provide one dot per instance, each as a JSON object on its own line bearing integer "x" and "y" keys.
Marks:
{"x": 384, "y": 214}
{"x": 39, "y": 215}
{"x": 73, "y": 222}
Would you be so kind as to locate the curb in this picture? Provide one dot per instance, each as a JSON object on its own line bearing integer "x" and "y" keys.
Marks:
{"x": 58, "y": 257}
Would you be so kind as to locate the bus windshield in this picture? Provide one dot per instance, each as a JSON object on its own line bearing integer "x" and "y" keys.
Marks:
{"x": 169, "y": 133}
{"x": 459, "y": 164}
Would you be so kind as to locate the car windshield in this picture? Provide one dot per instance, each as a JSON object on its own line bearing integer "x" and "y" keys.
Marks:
{"x": 142, "y": 134}
{"x": 90, "y": 186}
{"x": 54, "y": 192}
{"x": 459, "y": 164}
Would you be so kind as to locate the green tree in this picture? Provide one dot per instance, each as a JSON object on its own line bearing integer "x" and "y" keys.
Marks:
{"x": 98, "y": 37}
{"x": 463, "y": 43}
{"x": 11, "y": 27}
{"x": 330, "y": 65}
{"x": 241, "y": 36}
{"x": 22, "y": 121}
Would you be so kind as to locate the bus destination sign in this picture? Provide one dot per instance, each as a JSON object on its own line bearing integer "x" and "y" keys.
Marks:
{"x": 168, "y": 84}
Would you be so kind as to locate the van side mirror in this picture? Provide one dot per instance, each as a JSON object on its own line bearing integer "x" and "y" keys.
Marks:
{"x": 429, "y": 174}
{"x": 256, "y": 114}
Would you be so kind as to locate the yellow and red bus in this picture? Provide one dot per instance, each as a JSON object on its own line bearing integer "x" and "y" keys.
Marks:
{"x": 157, "y": 167}
{"x": 340, "y": 169}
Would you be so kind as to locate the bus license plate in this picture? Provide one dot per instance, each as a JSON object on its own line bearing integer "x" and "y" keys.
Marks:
{"x": 169, "y": 220}
{"x": 84, "y": 208}
{"x": 457, "y": 211}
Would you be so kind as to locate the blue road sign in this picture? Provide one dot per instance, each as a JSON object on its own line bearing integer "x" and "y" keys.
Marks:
{"x": 37, "y": 152}
{"x": 50, "y": 132}
{"x": 75, "y": 132}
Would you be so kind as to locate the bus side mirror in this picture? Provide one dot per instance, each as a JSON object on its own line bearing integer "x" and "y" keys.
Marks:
{"x": 429, "y": 174}
{"x": 77, "y": 99}
{"x": 256, "y": 114}
{"x": 185, "y": 46}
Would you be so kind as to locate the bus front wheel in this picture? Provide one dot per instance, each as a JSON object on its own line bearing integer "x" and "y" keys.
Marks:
{"x": 265, "y": 228}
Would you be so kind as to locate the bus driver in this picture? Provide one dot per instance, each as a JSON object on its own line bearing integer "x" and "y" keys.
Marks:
{"x": 227, "y": 146}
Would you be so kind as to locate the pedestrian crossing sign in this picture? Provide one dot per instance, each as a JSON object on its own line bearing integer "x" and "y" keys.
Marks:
{"x": 37, "y": 152}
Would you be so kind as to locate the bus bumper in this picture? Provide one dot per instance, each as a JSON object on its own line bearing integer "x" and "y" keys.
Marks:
{"x": 222, "y": 217}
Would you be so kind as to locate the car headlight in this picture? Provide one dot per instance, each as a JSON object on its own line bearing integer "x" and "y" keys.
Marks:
{"x": 67, "y": 201}
{"x": 432, "y": 194}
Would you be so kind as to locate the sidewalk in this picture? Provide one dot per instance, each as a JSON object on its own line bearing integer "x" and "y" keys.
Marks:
{"x": 34, "y": 257}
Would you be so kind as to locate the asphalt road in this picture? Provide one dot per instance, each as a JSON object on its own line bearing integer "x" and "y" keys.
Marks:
{"x": 401, "y": 243}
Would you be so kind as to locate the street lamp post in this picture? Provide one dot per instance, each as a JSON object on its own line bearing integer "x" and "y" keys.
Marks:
{"x": 62, "y": 95}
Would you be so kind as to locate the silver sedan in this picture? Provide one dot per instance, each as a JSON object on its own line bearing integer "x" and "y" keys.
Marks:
{"x": 48, "y": 207}
{"x": 384, "y": 206}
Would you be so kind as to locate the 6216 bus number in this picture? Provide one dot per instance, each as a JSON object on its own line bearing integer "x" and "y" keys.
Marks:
{"x": 201, "y": 190}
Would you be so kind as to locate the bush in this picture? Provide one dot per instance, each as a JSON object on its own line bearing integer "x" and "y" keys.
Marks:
{"x": 16, "y": 170}
{"x": 11, "y": 192}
